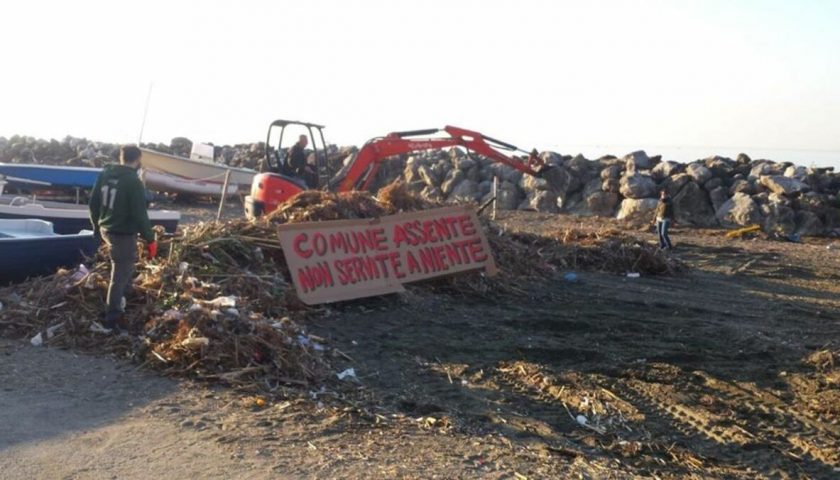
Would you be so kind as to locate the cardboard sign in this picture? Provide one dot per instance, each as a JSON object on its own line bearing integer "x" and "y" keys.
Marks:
{"x": 345, "y": 259}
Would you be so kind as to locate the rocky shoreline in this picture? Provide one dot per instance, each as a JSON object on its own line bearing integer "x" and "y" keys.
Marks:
{"x": 785, "y": 199}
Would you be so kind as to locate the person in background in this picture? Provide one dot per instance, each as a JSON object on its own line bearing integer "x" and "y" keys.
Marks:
{"x": 118, "y": 214}
{"x": 664, "y": 218}
{"x": 298, "y": 162}
{"x": 297, "y": 157}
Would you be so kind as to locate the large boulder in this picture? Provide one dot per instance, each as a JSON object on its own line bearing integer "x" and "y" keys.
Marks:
{"x": 808, "y": 224}
{"x": 540, "y": 201}
{"x": 508, "y": 197}
{"x": 637, "y": 185}
{"x": 473, "y": 173}
{"x": 674, "y": 184}
{"x": 692, "y": 207}
{"x": 637, "y": 161}
{"x": 637, "y": 209}
{"x": 463, "y": 162}
{"x": 783, "y": 185}
{"x": 739, "y": 211}
{"x": 720, "y": 166}
{"x": 799, "y": 173}
{"x": 611, "y": 185}
{"x": 713, "y": 183}
{"x": 601, "y": 203}
{"x": 778, "y": 219}
{"x": 561, "y": 180}
{"x": 453, "y": 178}
{"x": 718, "y": 197}
{"x": 698, "y": 172}
{"x": 530, "y": 183}
{"x": 466, "y": 191}
{"x": 742, "y": 186}
{"x": 610, "y": 171}
{"x": 665, "y": 169}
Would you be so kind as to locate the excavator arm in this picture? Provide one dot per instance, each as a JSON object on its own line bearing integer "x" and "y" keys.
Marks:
{"x": 362, "y": 170}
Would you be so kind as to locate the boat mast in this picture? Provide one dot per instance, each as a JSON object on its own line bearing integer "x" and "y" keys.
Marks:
{"x": 145, "y": 112}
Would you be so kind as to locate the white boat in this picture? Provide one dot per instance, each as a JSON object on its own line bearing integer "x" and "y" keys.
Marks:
{"x": 165, "y": 182}
{"x": 189, "y": 175}
{"x": 69, "y": 217}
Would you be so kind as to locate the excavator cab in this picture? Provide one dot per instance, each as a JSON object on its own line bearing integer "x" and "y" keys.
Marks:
{"x": 277, "y": 183}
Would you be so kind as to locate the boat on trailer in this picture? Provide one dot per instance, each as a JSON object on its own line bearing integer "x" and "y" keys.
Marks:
{"x": 29, "y": 248}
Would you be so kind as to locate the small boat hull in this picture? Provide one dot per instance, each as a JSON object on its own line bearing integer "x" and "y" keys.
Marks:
{"x": 50, "y": 175}
{"x": 195, "y": 170}
{"x": 68, "y": 218}
{"x": 164, "y": 182}
{"x": 39, "y": 252}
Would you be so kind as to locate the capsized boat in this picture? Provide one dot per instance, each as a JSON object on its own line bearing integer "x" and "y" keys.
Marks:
{"x": 30, "y": 248}
{"x": 49, "y": 175}
{"x": 69, "y": 217}
{"x": 191, "y": 173}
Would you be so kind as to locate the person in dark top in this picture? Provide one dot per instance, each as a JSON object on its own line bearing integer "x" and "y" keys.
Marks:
{"x": 118, "y": 214}
{"x": 664, "y": 218}
{"x": 297, "y": 157}
{"x": 298, "y": 165}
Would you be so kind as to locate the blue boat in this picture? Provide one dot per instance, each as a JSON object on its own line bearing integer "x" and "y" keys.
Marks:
{"x": 50, "y": 175}
{"x": 29, "y": 248}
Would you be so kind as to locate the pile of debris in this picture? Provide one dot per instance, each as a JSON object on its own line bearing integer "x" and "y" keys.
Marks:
{"x": 218, "y": 303}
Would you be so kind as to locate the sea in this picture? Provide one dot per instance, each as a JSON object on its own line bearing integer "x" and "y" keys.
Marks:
{"x": 804, "y": 157}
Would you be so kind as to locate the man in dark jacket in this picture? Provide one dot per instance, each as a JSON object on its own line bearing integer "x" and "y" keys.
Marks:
{"x": 664, "y": 217}
{"x": 298, "y": 165}
{"x": 297, "y": 157}
{"x": 118, "y": 213}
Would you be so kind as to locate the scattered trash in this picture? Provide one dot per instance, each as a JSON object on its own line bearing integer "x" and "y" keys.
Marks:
{"x": 172, "y": 314}
{"x": 570, "y": 277}
{"x": 38, "y": 339}
{"x": 97, "y": 327}
{"x": 227, "y": 301}
{"x": 582, "y": 420}
{"x": 349, "y": 373}
{"x": 633, "y": 275}
{"x": 80, "y": 273}
{"x": 194, "y": 342}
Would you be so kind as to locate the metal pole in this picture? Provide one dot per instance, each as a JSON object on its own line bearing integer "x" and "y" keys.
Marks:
{"x": 495, "y": 194}
{"x": 224, "y": 195}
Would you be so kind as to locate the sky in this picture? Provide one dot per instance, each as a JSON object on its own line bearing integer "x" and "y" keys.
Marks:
{"x": 677, "y": 76}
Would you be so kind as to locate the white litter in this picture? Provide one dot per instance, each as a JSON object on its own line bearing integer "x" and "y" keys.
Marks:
{"x": 172, "y": 314}
{"x": 633, "y": 275}
{"x": 349, "y": 373}
{"x": 222, "y": 302}
{"x": 582, "y": 420}
{"x": 96, "y": 327}
{"x": 38, "y": 340}
{"x": 183, "y": 267}
{"x": 80, "y": 273}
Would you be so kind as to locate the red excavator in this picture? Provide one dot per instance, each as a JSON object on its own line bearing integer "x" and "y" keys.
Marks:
{"x": 270, "y": 189}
